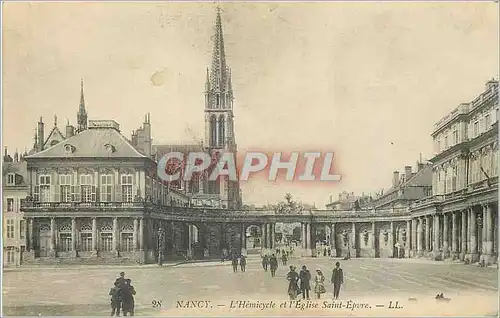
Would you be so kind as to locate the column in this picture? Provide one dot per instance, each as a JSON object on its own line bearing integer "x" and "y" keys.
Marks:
{"x": 94, "y": 234}
{"x": 134, "y": 236}
{"x": 391, "y": 238}
{"x": 273, "y": 235}
{"x": 420, "y": 233}
{"x": 190, "y": 240}
{"x": 436, "y": 243}
{"x": 373, "y": 240}
{"x": 333, "y": 240}
{"x": 490, "y": 230}
{"x": 473, "y": 236}
{"x": 454, "y": 235}
{"x": 73, "y": 234}
{"x": 484, "y": 230}
{"x": 469, "y": 231}
{"x": 408, "y": 239}
{"x": 445, "y": 234}
{"x": 303, "y": 229}
{"x": 353, "y": 241}
{"x": 52, "y": 234}
{"x": 243, "y": 240}
{"x": 427, "y": 234}
{"x": 141, "y": 234}
{"x": 414, "y": 223}
{"x": 309, "y": 237}
{"x": 31, "y": 243}
{"x": 463, "y": 248}
{"x": 115, "y": 234}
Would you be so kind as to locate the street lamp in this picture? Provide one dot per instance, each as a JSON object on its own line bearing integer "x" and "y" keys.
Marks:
{"x": 161, "y": 245}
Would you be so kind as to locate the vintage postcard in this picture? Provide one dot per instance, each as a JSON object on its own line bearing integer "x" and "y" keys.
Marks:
{"x": 250, "y": 159}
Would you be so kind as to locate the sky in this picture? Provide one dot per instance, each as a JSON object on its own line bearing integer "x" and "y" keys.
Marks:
{"x": 366, "y": 81}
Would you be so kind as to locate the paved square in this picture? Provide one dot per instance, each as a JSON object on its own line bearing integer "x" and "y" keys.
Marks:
{"x": 84, "y": 291}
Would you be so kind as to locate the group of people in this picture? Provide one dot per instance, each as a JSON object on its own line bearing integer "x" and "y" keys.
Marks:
{"x": 270, "y": 262}
{"x": 295, "y": 289}
{"x": 241, "y": 260}
{"x": 122, "y": 296}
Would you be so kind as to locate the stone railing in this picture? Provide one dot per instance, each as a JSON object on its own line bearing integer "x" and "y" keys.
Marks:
{"x": 82, "y": 205}
{"x": 428, "y": 200}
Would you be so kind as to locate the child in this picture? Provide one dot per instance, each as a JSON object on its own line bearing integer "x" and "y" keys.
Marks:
{"x": 115, "y": 299}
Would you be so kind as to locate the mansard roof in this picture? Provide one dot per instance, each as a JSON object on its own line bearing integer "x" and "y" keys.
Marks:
{"x": 92, "y": 143}
{"x": 17, "y": 168}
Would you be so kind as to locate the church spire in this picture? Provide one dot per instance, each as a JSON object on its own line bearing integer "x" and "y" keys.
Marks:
{"x": 218, "y": 76}
{"x": 82, "y": 113}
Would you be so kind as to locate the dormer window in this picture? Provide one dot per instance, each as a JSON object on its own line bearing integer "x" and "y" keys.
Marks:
{"x": 11, "y": 179}
{"x": 54, "y": 142}
{"x": 110, "y": 148}
{"x": 69, "y": 149}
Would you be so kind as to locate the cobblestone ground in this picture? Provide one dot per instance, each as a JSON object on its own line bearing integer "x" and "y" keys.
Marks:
{"x": 84, "y": 291}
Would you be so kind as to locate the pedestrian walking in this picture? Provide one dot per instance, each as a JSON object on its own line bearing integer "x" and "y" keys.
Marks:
{"x": 305, "y": 282}
{"x": 284, "y": 259}
{"x": 337, "y": 280}
{"x": 265, "y": 262}
{"x": 293, "y": 279}
{"x": 127, "y": 295}
{"x": 115, "y": 299}
{"x": 235, "y": 264}
{"x": 329, "y": 252}
{"x": 273, "y": 263}
{"x": 243, "y": 263}
{"x": 319, "y": 284}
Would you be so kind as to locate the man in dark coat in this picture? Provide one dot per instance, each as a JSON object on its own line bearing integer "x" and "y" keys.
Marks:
{"x": 337, "y": 280}
{"x": 235, "y": 264}
{"x": 265, "y": 262}
{"x": 305, "y": 282}
{"x": 127, "y": 295}
{"x": 121, "y": 280}
{"x": 243, "y": 263}
{"x": 273, "y": 263}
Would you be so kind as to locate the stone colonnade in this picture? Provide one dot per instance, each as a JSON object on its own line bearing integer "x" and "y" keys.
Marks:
{"x": 467, "y": 235}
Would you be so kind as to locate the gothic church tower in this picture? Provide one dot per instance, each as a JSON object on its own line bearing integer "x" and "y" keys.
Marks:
{"x": 219, "y": 118}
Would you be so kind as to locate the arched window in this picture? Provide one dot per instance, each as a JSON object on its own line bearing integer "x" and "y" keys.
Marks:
{"x": 217, "y": 101}
{"x": 213, "y": 131}
{"x": 222, "y": 131}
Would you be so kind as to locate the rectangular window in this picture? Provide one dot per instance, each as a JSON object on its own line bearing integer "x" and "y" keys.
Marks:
{"x": 106, "y": 186}
{"x": 127, "y": 242}
{"x": 10, "y": 256}
{"x": 107, "y": 242}
{"x": 66, "y": 191}
{"x": 86, "y": 242}
{"x": 11, "y": 179}
{"x": 446, "y": 142}
{"x": 10, "y": 229}
{"x": 10, "y": 205}
{"x": 476, "y": 129}
{"x": 65, "y": 242}
{"x": 44, "y": 182}
{"x": 22, "y": 229}
{"x": 455, "y": 137}
{"x": 87, "y": 188}
{"x": 127, "y": 195}
{"x": 487, "y": 122}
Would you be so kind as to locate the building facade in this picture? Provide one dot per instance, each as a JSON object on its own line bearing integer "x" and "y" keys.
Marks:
{"x": 14, "y": 187}
{"x": 460, "y": 219}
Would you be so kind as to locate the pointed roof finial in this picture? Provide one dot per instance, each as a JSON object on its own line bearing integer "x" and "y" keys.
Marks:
{"x": 55, "y": 120}
{"x": 218, "y": 72}
{"x": 82, "y": 99}
{"x": 67, "y": 122}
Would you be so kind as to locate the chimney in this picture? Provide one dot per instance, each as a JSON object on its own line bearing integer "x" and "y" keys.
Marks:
{"x": 147, "y": 136}
{"x": 16, "y": 156}
{"x": 395, "y": 179}
{"x": 41, "y": 138}
{"x": 70, "y": 131}
{"x": 408, "y": 173}
{"x": 420, "y": 166}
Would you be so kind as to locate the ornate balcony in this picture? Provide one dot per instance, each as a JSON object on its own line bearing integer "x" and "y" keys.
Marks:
{"x": 33, "y": 206}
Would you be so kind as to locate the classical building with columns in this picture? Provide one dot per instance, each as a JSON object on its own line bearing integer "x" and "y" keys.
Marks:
{"x": 460, "y": 219}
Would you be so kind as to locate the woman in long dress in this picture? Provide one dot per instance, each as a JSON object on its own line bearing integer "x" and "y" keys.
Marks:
{"x": 319, "y": 284}
{"x": 293, "y": 278}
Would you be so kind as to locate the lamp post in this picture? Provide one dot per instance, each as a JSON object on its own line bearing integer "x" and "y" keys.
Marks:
{"x": 161, "y": 245}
